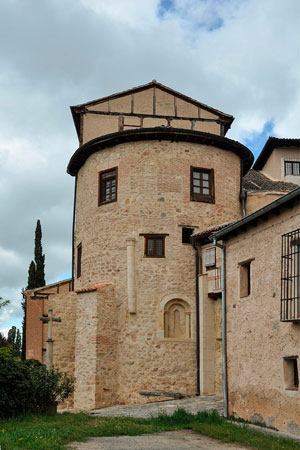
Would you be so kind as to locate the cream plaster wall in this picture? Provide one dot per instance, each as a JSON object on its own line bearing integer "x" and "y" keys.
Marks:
{"x": 256, "y": 200}
{"x": 274, "y": 167}
{"x": 256, "y": 339}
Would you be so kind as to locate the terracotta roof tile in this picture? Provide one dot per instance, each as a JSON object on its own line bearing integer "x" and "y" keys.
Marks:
{"x": 93, "y": 287}
{"x": 256, "y": 181}
{"x": 211, "y": 230}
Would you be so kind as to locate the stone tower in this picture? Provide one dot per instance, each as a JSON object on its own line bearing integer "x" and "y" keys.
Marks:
{"x": 153, "y": 167}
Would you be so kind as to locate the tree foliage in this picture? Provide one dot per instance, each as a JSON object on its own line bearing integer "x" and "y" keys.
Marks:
{"x": 3, "y": 302}
{"x": 39, "y": 257}
{"x": 28, "y": 387}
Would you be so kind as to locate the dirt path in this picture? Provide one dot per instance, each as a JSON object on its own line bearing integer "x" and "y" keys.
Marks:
{"x": 171, "y": 440}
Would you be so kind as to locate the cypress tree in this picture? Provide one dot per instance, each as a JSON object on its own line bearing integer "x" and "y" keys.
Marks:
{"x": 36, "y": 278}
{"x": 31, "y": 276}
{"x": 39, "y": 257}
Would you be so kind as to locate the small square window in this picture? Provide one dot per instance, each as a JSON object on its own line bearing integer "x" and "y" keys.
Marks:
{"x": 210, "y": 258}
{"x": 155, "y": 246}
{"x": 202, "y": 185}
{"x": 108, "y": 186}
{"x": 290, "y": 373}
{"x": 79, "y": 254}
{"x": 186, "y": 235}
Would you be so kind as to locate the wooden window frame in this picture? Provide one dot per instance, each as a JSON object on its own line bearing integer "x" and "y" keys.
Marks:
{"x": 292, "y": 163}
{"x": 206, "y": 198}
{"x": 290, "y": 372}
{"x": 154, "y": 236}
{"x": 101, "y": 182}
{"x": 79, "y": 259}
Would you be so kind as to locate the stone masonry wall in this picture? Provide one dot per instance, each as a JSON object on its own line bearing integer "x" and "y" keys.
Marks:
{"x": 153, "y": 197}
{"x": 257, "y": 340}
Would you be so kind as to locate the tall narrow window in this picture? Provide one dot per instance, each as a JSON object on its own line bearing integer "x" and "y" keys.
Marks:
{"x": 79, "y": 254}
{"x": 290, "y": 372}
{"x": 245, "y": 278}
{"x": 108, "y": 186}
{"x": 290, "y": 276}
{"x": 202, "y": 185}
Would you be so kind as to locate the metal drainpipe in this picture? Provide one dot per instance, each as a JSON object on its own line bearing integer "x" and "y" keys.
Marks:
{"x": 197, "y": 318}
{"x": 73, "y": 232}
{"x": 243, "y": 196}
{"x": 224, "y": 343}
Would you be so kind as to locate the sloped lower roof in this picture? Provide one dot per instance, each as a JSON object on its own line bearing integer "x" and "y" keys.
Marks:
{"x": 255, "y": 181}
{"x": 272, "y": 143}
{"x": 292, "y": 198}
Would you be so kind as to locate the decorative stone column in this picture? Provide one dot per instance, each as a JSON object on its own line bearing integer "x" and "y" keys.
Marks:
{"x": 131, "y": 280}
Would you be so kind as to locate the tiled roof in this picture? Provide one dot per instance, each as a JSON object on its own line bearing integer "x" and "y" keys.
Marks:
{"x": 210, "y": 230}
{"x": 256, "y": 181}
{"x": 93, "y": 287}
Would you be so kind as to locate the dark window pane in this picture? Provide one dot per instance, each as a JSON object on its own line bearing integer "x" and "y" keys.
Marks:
{"x": 159, "y": 247}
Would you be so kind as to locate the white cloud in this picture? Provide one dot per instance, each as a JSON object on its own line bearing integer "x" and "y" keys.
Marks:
{"x": 240, "y": 56}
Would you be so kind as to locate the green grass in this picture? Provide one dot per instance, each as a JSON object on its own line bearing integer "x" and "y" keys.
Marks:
{"x": 42, "y": 432}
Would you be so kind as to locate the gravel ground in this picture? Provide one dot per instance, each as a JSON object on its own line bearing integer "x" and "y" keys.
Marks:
{"x": 171, "y": 440}
{"x": 148, "y": 410}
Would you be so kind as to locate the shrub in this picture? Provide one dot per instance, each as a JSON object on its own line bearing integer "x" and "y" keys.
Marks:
{"x": 28, "y": 387}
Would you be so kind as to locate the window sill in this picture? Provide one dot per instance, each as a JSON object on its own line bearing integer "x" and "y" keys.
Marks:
{"x": 203, "y": 200}
{"x": 105, "y": 203}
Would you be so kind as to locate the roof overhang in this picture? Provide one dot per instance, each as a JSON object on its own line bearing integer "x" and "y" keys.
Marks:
{"x": 162, "y": 134}
{"x": 269, "y": 146}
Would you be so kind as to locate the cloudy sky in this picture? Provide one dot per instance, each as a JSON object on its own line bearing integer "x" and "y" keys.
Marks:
{"x": 239, "y": 56}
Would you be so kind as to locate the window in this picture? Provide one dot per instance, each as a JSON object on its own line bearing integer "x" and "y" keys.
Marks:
{"x": 108, "y": 186}
{"x": 290, "y": 277}
{"x": 292, "y": 168}
{"x": 210, "y": 258}
{"x": 186, "y": 235}
{"x": 245, "y": 278}
{"x": 79, "y": 254}
{"x": 290, "y": 372}
{"x": 155, "y": 246}
{"x": 202, "y": 185}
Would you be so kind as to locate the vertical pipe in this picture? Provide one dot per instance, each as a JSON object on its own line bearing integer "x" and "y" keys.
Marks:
{"x": 224, "y": 342}
{"x": 131, "y": 283}
{"x": 197, "y": 318}
{"x": 73, "y": 233}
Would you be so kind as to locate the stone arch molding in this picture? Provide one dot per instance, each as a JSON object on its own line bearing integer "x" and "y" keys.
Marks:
{"x": 176, "y": 320}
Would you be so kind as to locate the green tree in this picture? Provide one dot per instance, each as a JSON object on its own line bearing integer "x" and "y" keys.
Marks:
{"x": 31, "y": 276}
{"x": 14, "y": 339}
{"x": 3, "y": 302}
{"x": 39, "y": 257}
{"x": 36, "y": 278}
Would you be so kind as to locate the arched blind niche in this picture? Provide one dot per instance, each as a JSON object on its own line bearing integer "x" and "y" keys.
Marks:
{"x": 177, "y": 319}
